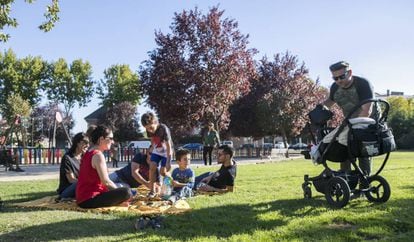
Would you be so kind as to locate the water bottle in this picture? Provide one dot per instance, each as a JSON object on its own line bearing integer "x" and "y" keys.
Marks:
{"x": 166, "y": 188}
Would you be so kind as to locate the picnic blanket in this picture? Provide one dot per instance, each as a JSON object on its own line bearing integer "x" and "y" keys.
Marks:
{"x": 140, "y": 205}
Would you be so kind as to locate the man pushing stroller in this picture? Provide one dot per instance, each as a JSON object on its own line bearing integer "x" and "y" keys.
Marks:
{"x": 347, "y": 92}
{"x": 362, "y": 134}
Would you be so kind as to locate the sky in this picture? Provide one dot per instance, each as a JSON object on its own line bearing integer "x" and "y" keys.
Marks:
{"x": 375, "y": 37}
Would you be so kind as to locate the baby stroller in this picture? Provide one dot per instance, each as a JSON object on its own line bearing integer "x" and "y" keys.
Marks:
{"x": 364, "y": 137}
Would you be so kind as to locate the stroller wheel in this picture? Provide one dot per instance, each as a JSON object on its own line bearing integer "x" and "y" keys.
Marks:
{"x": 379, "y": 191}
{"x": 337, "y": 192}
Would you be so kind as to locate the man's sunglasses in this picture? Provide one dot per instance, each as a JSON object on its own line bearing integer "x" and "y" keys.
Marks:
{"x": 341, "y": 77}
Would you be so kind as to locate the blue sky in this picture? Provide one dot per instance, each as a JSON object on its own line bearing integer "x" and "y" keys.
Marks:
{"x": 376, "y": 37}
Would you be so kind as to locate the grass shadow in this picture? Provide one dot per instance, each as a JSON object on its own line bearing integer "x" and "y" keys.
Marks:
{"x": 225, "y": 221}
{"x": 28, "y": 197}
{"x": 228, "y": 220}
{"x": 76, "y": 229}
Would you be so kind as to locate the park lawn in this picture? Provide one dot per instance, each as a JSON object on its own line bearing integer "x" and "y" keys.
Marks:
{"x": 267, "y": 205}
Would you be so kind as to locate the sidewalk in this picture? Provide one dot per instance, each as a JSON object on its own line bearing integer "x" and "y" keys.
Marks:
{"x": 46, "y": 171}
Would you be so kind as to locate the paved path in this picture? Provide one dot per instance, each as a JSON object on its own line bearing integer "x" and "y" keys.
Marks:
{"x": 44, "y": 172}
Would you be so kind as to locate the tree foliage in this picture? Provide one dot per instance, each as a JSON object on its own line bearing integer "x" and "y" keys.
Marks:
{"x": 42, "y": 121}
{"x": 123, "y": 120}
{"x": 22, "y": 77}
{"x": 198, "y": 70}
{"x": 401, "y": 120}
{"x": 70, "y": 85}
{"x": 120, "y": 84}
{"x": 280, "y": 99}
{"x": 16, "y": 110}
{"x": 16, "y": 106}
{"x": 6, "y": 20}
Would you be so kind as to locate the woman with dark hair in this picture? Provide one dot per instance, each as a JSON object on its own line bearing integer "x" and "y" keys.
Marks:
{"x": 94, "y": 188}
{"x": 69, "y": 166}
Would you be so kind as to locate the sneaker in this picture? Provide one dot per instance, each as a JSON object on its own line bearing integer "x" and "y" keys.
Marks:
{"x": 60, "y": 199}
{"x": 142, "y": 223}
{"x": 67, "y": 199}
{"x": 18, "y": 169}
{"x": 156, "y": 222}
{"x": 151, "y": 194}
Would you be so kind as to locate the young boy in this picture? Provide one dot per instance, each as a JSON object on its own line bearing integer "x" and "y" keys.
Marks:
{"x": 183, "y": 176}
{"x": 160, "y": 150}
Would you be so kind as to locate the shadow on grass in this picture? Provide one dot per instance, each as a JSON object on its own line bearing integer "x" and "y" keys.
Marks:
{"x": 76, "y": 229}
{"x": 228, "y": 220}
{"x": 395, "y": 223}
{"x": 225, "y": 221}
{"x": 221, "y": 222}
{"x": 28, "y": 197}
{"x": 408, "y": 187}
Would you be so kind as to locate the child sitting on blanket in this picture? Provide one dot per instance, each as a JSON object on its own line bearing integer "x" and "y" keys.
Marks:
{"x": 183, "y": 176}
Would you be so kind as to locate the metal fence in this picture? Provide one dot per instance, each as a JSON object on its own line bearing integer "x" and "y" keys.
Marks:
{"x": 29, "y": 156}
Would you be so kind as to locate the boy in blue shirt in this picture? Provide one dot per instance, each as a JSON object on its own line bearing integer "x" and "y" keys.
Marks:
{"x": 183, "y": 176}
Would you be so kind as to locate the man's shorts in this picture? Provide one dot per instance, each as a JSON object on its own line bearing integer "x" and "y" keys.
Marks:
{"x": 157, "y": 158}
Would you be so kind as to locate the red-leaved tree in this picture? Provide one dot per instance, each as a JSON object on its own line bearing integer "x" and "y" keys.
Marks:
{"x": 281, "y": 97}
{"x": 197, "y": 71}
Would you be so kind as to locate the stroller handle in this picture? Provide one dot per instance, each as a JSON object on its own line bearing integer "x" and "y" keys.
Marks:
{"x": 384, "y": 113}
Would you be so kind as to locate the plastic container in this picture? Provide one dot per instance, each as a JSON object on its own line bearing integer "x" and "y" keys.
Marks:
{"x": 166, "y": 188}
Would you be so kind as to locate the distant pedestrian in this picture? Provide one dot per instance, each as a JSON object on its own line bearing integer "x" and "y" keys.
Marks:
{"x": 114, "y": 154}
{"x": 211, "y": 140}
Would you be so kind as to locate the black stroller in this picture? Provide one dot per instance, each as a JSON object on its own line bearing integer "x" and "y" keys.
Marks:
{"x": 368, "y": 140}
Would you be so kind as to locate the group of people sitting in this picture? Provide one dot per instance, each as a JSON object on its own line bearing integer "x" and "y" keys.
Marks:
{"x": 84, "y": 173}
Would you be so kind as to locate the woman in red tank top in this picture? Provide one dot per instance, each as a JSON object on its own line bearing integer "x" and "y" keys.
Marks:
{"x": 94, "y": 188}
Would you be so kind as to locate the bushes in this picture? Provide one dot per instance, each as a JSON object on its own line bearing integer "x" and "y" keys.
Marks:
{"x": 406, "y": 141}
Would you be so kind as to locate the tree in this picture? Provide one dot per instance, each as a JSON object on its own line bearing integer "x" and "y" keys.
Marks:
{"x": 42, "y": 120}
{"x": 123, "y": 120}
{"x": 22, "y": 77}
{"x": 70, "y": 85}
{"x": 15, "y": 106}
{"x": 197, "y": 71}
{"x": 6, "y": 20}
{"x": 244, "y": 120}
{"x": 15, "y": 111}
{"x": 120, "y": 92}
{"x": 401, "y": 117}
{"x": 119, "y": 85}
{"x": 279, "y": 101}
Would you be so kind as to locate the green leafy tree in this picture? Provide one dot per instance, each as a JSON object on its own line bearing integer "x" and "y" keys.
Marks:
{"x": 401, "y": 118}
{"x": 6, "y": 20}
{"x": 17, "y": 110}
{"x": 120, "y": 84}
{"x": 70, "y": 85}
{"x": 22, "y": 77}
{"x": 197, "y": 71}
{"x": 16, "y": 106}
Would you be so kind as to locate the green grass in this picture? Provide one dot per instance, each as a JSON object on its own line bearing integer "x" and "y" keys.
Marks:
{"x": 268, "y": 205}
